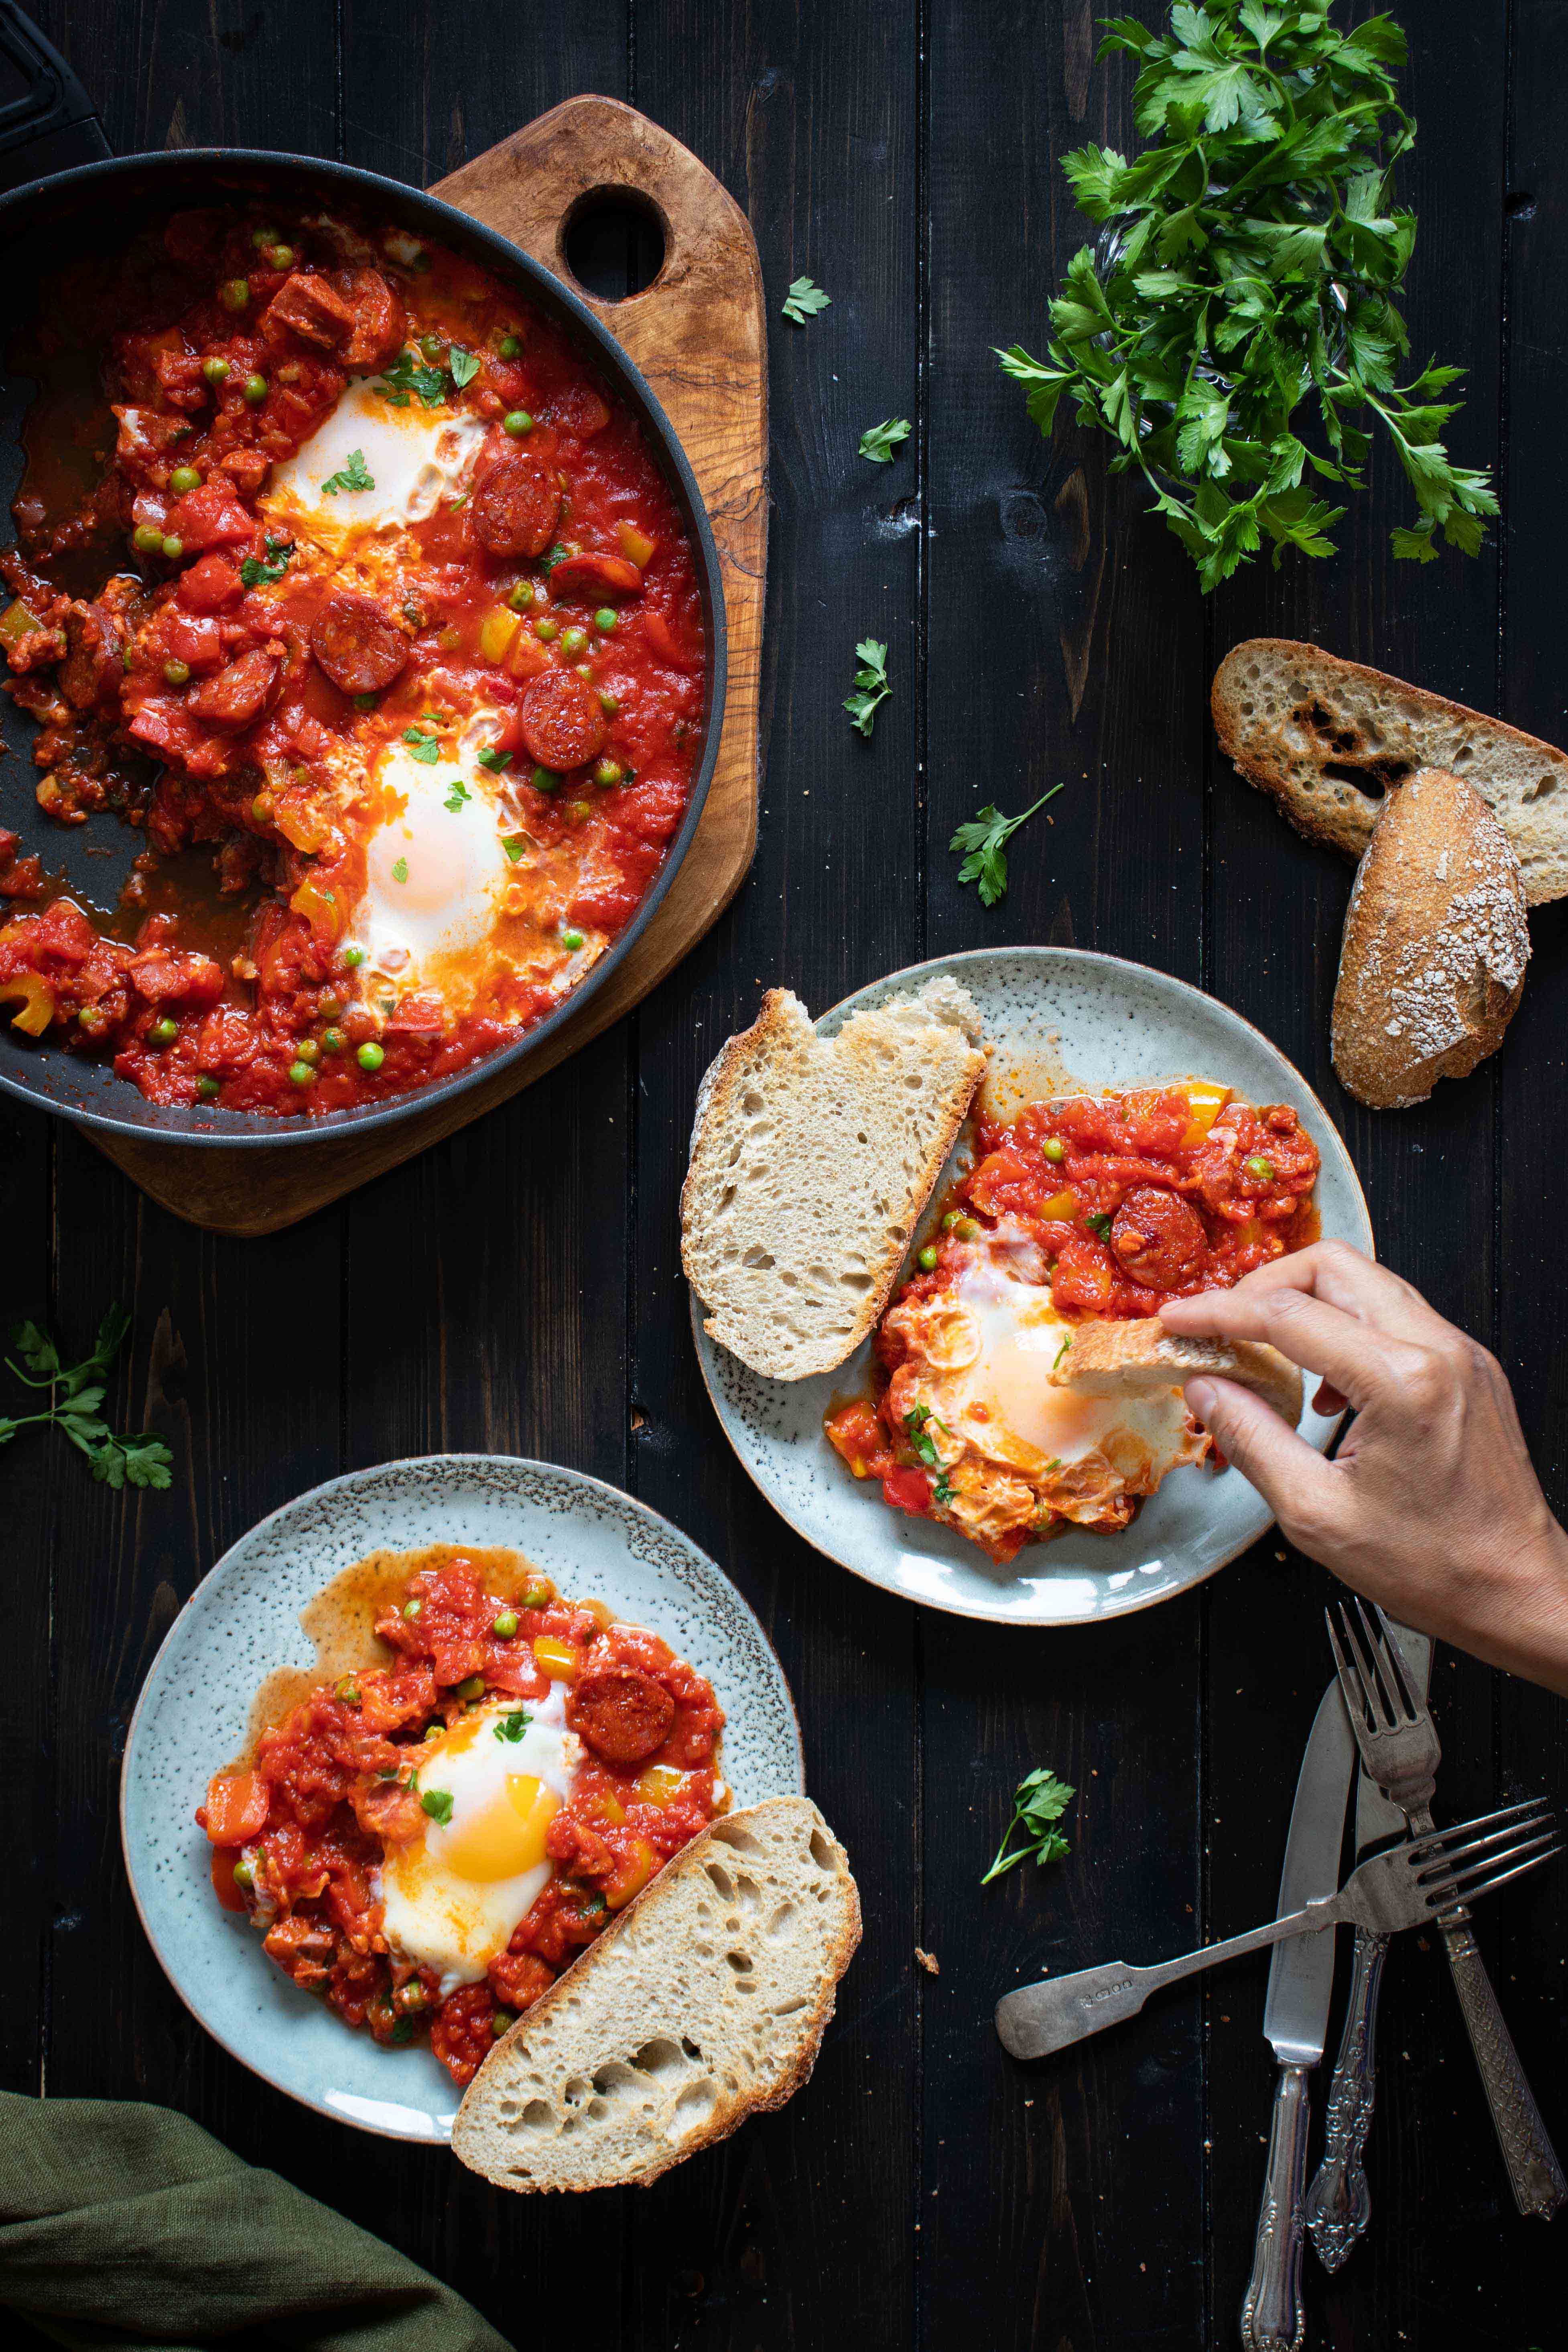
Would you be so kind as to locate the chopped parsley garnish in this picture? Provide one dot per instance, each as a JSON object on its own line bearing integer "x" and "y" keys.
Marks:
{"x": 982, "y": 838}
{"x": 354, "y": 476}
{"x": 258, "y": 572}
{"x": 493, "y": 760}
{"x": 514, "y": 843}
{"x": 878, "y": 441}
{"x": 1038, "y": 1804}
{"x": 400, "y": 871}
{"x": 915, "y": 1421}
{"x": 552, "y": 556}
{"x": 942, "y": 1491}
{"x": 1099, "y": 1224}
{"x": 75, "y": 1394}
{"x": 464, "y": 365}
{"x": 406, "y": 375}
{"x": 803, "y": 301}
{"x": 513, "y": 1727}
{"x": 1061, "y": 1351}
{"x": 437, "y": 1803}
{"x": 421, "y": 746}
{"x": 871, "y": 687}
{"x": 459, "y": 794}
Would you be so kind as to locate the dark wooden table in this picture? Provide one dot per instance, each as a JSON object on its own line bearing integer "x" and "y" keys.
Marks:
{"x": 518, "y": 1289}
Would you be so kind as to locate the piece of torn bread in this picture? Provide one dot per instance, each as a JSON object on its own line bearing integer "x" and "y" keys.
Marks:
{"x": 1138, "y": 1356}
{"x": 703, "y": 2003}
{"x": 812, "y": 1158}
{"x": 1328, "y": 740}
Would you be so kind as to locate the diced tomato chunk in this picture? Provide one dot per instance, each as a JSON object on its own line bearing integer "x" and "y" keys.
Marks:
{"x": 210, "y": 517}
{"x": 210, "y": 584}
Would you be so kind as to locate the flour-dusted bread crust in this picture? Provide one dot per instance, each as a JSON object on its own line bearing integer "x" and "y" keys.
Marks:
{"x": 1327, "y": 740}
{"x": 1140, "y": 1355}
{"x": 1434, "y": 949}
{"x": 812, "y": 1158}
{"x": 705, "y": 2002}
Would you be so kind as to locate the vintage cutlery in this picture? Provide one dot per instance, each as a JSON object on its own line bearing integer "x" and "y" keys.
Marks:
{"x": 1399, "y": 1747}
{"x": 1406, "y": 1887}
{"x": 1296, "y": 2020}
{"x": 1339, "y": 2203}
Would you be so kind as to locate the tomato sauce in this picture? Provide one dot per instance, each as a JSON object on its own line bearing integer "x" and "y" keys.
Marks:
{"x": 301, "y": 1829}
{"x": 236, "y": 675}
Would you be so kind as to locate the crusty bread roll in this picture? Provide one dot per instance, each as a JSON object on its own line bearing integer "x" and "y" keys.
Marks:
{"x": 1140, "y": 1355}
{"x": 1435, "y": 943}
{"x": 1326, "y": 739}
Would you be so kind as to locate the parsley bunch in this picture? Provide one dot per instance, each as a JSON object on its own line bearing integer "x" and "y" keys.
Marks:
{"x": 1249, "y": 265}
{"x": 74, "y": 1397}
{"x": 1038, "y": 1804}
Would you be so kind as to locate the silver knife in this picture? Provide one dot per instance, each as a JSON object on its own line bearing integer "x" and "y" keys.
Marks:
{"x": 1296, "y": 2020}
{"x": 1339, "y": 2204}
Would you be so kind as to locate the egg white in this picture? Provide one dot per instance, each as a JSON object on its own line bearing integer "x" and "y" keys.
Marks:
{"x": 436, "y": 876}
{"x": 435, "y": 1913}
{"x": 415, "y": 457}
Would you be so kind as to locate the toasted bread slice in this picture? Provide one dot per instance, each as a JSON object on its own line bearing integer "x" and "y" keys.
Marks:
{"x": 1435, "y": 943}
{"x": 812, "y": 1158}
{"x": 1136, "y": 1357}
{"x": 705, "y": 2002}
{"x": 1327, "y": 740}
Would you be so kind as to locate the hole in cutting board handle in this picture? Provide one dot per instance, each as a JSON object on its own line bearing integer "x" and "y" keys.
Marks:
{"x": 614, "y": 242}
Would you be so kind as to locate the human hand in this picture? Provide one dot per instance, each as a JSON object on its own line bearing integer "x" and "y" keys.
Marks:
{"x": 1431, "y": 1506}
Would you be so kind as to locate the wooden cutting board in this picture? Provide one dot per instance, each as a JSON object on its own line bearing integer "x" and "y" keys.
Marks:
{"x": 697, "y": 335}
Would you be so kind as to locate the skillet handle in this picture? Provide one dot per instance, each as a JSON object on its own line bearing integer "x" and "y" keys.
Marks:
{"x": 46, "y": 119}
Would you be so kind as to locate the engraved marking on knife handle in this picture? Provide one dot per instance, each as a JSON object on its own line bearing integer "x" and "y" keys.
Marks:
{"x": 1339, "y": 2204}
{"x": 1272, "y": 2319}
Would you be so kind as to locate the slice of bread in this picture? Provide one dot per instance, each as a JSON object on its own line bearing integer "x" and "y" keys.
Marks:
{"x": 812, "y": 1158}
{"x": 1327, "y": 740}
{"x": 705, "y": 2002}
{"x": 1138, "y": 1357}
{"x": 1435, "y": 944}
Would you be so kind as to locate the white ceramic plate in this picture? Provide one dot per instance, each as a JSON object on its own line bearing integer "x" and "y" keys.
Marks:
{"x": 243, "y": 1621}
{"x": 1109, "y": 1023}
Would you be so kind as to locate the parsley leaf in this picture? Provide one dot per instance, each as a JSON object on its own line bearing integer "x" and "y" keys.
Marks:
{"x": 1038, "y": 1804}
{"x": 257, "y": 572}
{"x": 405, "y": 375}
{"x": 493, "y": 760}
{"x": 803, "y": 301}
{"x": 871, "y": 685}
{"x": 421, "y": 746}
{"x": 400, "y": 871}
{"x": 513, "y": 1727}
{"x": 75, "y": 1394}
{"x": 464, "y": 365}
{"x": 352, "y": 477}
{"x": 437, "y": 1803}
{"x": 459, "y": 794}
{"x": 983, "y": 838}
{"x": 1061, "y": 1351}
{"x": 552, "y": 556}
{"x": 1235, "y": 326}
{"x": 1099, "y": 1224}
{"x": 915, "y": 1421}
{"x": 514, "y": 843}
{"x": 878, "y": 441}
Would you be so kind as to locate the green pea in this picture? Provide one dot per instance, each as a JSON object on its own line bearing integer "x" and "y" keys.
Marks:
{"x": 571, "y": 941}
{"x": 348, "y": 1691}
{"x": 256, "y": 390}
{"x": 1054, "y": 1149}
{"x": 966, "y": 1230}
{"x": 147, "y": 539}
{"x": 499, "y": 2022}
{"x": 215, "y": 370}
{"x": 173, "y": 546}
{"x": 184, "y": 478}
{"x": 177, "y": 673}
{"x": 208, "y": 1089}
{"x": 547, "y": 630}
{"x": 949, "y": 1221}
{"x": 352, "y": 959}
{"x": 261, "y": 237}
{"x": 520, "y": 598}
{"x": 432, "y": 346}
{"x": 370, "y": 1057}
{"x": 544, "y": 781}
{"x": 308, "y": 1051}
{"x": 517, "y": 423}
{"x": 261, "y": 807}
{"x": 572, "y": 642}
{"x": 165, "y": 1029}
{"x": 278, "y": 256}
{"x": 234, "y": 293}
{"x": 1261, "y": 1171}
{"x": 928, "y": 1259}
{"x": 243, "y": 1874}
{"x": 300, "y": 1073}
{"x": 471, "y": 1686}
{"x": 333, "y": 1041}
{"x": 609, "y": 703}
{"x": 505, "y": 1625}
{"x": 604, "y": 619}
{"x": 606, "y": 772}
{"x": 411, "y": 1609}
{"x": 508, "y": 347}
{"x": 536, "y": 1597}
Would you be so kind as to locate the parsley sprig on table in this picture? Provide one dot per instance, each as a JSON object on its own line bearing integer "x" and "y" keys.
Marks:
{"x": 803, "y": 301}
{"x": 1038, "y": 1804}
{"x": 878, "y": 441}
{"x": 1247, "y": 275}
{"x": 74, "y": 1394}
{"x": 983, "y": 839}
{"x": 871, "y": 687}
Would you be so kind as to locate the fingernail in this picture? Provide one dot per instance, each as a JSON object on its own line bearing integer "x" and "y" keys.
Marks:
{"x": 1200, "y": 1396}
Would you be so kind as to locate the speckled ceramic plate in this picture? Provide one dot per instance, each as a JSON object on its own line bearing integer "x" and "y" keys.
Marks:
{"x": 1057, "y": 1018}
{"x": 595, "y": 1542}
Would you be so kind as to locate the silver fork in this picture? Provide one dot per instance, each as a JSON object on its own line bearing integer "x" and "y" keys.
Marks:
{"x": 1406, "y": 1887}
{"x": 1400, "y": 1750}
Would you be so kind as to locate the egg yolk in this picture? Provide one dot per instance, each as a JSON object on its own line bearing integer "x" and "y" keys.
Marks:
{"x": 507, "y": 1836}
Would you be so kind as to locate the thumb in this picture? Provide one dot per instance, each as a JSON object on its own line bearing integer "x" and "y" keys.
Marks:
{"x": 1293, "y": 1476}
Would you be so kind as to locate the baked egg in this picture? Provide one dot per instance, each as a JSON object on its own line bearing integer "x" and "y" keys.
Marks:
{"x": 404, "y": 462}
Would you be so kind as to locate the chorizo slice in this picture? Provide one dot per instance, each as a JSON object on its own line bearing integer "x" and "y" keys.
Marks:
{"x": 1159, "y": 1238}
{"x": 595, "y": 576}
{"x": 623, "y": 1714}
{"x": 240, "y": 693}
{"x": 361, "y": 649}
{"x": 516, "y": 505}
{"x": 560, "y": 721}
{"x": 311, "y": 307}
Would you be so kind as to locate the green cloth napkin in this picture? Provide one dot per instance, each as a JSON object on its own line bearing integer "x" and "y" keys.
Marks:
{"x": 123, "y": 2225}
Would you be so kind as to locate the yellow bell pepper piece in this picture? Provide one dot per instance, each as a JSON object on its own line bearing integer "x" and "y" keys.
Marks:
{"x": 497, "y": 631}
{"x": 36, "y": 998}
{"x": 660, "y": 1782}
{"x": 17, "y": 622}
{"x": 320, "y": 908}
{"x": 639, "y": 1870}
{"x": 636, "y": 545}
{"x": 561, "y": 1661}
{"x": 1062, "y": 1207}
{"x": 1205, "y": 1103}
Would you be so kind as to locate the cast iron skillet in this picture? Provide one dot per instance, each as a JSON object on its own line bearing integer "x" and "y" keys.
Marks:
{"x": 46, "y": 121}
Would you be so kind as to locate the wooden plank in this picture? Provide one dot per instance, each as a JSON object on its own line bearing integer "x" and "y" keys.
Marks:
{"x": 1277, "y": 910}
{"x": 801, "y": 2230}
{"x": 1059, "y": 2204}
